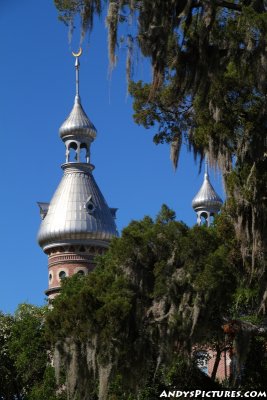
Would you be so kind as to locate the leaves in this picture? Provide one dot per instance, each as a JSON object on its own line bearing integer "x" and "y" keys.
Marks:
{"x": 158, "y": 289}
{"x": 208, "y": 90}
{"x": 25, "y": 370}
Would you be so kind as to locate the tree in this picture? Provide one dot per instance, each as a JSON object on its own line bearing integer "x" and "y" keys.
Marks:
{"x": 129, "y": 329}
{"x": 26, "y": 372}
{"x": 27, "y": 346}
{"x": 131, "y": 323}
{"x": 208, "y": 89}
{"x": 10, "y": 386}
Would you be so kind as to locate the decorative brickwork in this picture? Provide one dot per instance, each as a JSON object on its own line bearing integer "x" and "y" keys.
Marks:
{"x": 67, "y": 261}
{"x": 69, "y": 258}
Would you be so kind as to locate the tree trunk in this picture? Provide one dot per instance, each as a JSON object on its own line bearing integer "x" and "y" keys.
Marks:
{"x": 216, "y": 364}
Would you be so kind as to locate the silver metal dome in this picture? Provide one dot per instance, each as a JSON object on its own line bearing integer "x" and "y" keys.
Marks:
{"x": 78, "y": 212}
{"x": 207, "y": 199}
{"x": 77, "y": 123}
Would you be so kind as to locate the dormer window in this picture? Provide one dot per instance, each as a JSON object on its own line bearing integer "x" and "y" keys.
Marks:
{"x": 43, "y": 209}
{"x": 90, "y": 205}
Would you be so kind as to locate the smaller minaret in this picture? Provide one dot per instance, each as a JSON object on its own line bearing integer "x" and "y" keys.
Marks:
{"x": 77, "y": 131}
{"x": 207, "y": 202}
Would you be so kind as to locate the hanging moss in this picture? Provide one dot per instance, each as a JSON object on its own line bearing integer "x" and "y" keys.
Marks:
{"x": 160, "y": 289}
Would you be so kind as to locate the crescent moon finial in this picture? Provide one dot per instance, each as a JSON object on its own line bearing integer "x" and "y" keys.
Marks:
{"x": 77, "y": 54}
{"x": 77, "y": 65}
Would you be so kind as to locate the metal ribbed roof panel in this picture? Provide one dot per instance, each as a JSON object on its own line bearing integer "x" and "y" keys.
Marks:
{"x": 207, "y": 198}
{"x": 68, "y": 217}
{"x": 77, "y": 122}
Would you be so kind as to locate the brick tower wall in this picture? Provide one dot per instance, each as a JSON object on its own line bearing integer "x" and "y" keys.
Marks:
{"x": 65, "y": 263}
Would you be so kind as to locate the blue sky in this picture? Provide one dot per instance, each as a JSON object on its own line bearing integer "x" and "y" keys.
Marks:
{"x": 37, "y": 92}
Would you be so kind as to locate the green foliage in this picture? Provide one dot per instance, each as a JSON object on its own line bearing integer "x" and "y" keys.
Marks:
{"x": 208, "y": 90}
{"x": 255, "y": 369}
{"x": 182, "y": 371}
{"x": 9, "y": 385}
{"x": 103, "y": 296}
{"x": 25, "y": 371}
{"x": 166, "y": 215}
{"x": 160, "y": 284}
{"x": 27, "y": 345}
{"x": 130, "y": 326}
{"x": 245, "y": 301}
{"x": 47, "y": 389}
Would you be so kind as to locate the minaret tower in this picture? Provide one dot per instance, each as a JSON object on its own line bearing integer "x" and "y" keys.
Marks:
{"x": 207, "y": 202}
{"x": 77, "y": 224}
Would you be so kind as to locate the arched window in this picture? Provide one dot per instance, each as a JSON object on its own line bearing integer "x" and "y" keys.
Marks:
{"x": 62, "y": 275}
{"x": 204, "y": 218}
{"x": 83, "y": 153}
{"x": 211, "y": 218}
{"x": 72, "y": 150}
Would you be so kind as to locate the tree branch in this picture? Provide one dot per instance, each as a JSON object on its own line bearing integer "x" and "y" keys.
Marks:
{"x": 220, "y": 3}
{"x": 230, "y": 6}
{"x": 235, "y": 326}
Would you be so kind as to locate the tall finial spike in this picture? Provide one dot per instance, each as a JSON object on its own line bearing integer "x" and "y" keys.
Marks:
{"x": 206, "y": 167}
{"x": 77, "y": 65}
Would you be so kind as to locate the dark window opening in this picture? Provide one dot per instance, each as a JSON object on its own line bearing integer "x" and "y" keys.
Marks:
{"x": 83, "y": 153}
{"x": 90, "y": 207}
{"x": 62, "y": 274}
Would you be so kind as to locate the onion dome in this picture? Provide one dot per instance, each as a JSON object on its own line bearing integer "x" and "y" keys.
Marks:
{"x": 207, "y": 202}
{"x": 78, "y": 212}
{"x": 77, "y": 123}
{"x": 207, "y": 198}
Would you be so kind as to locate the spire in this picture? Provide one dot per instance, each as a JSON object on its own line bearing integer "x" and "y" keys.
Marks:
{"x": 77, "y": 224}
{"x": 206, "y": 175}
{"x": 77, "y": 131}
{"x": 207, "y": 202}
{"x": 77, "y": 66}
